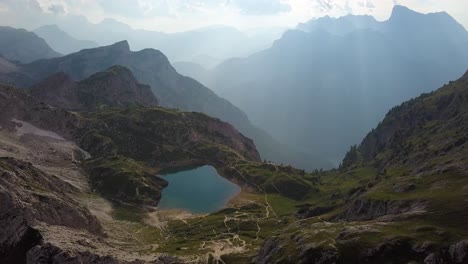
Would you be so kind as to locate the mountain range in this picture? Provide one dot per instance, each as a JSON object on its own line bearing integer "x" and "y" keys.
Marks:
{"x": 151, "y": 67}
{"x": 115, "y": 87}
{"x": 399, "y": 196}
{"x": 23, "y": 46}
{"x": 61, "y": 41}
{"x": 334, "y": 81}
{"x": 214, "y": 42}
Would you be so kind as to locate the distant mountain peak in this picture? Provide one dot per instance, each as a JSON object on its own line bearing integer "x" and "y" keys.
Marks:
{"x": 24, "y": 46}
{"x": 400, "y": 12}
{"x": 400, "y": 9}
{"x": 121, "y": 46}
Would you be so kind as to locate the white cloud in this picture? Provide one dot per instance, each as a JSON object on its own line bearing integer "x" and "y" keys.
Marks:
{"x": 58, "y": 7}
{"x": 261, "y": 7}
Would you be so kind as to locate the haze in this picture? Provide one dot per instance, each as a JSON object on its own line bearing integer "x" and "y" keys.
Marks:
{"x": 183, "y": 15}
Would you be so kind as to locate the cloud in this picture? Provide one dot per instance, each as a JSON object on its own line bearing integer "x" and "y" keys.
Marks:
{"x": 261, "y": 7}
{"x": 325, "y": 5}
{"x": 138, "y": 8}
{"x": 135, "y": 8}
{"x": 57, "y": 9}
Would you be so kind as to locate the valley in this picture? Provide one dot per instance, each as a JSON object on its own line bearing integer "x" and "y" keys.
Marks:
{"x": 345, "y": 141}
{"x": 376, "y": 203}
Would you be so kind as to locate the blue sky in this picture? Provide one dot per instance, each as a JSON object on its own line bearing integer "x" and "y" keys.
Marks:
{"x": 181, "y": 15}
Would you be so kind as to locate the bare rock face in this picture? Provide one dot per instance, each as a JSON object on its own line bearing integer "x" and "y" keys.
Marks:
{"x": 268, "y": 248}
{"x": 58, "y": 90}
{"x": 28, "y": 197}
{"x": 459, "y": 252}
{"x": 49, "y": 254}
{"x": 367, "y": 209}
{"x": 16, "y": 104}
{"x": 311, "y": 211}
{"x": 391, "y": 250}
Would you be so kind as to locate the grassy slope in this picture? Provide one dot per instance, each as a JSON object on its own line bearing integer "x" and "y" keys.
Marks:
{"x": 417, "y": 155}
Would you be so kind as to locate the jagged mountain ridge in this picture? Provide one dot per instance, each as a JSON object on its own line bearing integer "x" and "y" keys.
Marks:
{"x": 341, "y": 26}
{"x": 23, "y": 46}
{"x": 150, "y": 67}
{"x": 173, "y": 90}
{"x": 333, "y": 88}
{"x": 218, "y": 42}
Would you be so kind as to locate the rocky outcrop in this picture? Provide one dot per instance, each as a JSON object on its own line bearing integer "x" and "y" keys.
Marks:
{"x": 367, "y": 209}
{"x": 115, "y": 87}
{"x": 162, "y": 136}
{"x": 29, "y": 197}
{"x": 459, "y": 252}
{"x": 311, "y": 211}
{"x": 49, "y": 254}
{"x": 268, "y": 249}
{"x": 392, "y": 250}
{"x": 122, "y": 179}
{"x": 16, "y": 104}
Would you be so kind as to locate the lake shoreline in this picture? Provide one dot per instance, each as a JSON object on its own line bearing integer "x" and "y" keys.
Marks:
{"x": 198, "y": 191}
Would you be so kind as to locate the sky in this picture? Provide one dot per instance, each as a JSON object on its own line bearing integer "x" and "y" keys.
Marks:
{"x": 183, "y": 15}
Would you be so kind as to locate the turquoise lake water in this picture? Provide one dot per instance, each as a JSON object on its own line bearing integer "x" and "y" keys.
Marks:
{"x": 200, "y": 190}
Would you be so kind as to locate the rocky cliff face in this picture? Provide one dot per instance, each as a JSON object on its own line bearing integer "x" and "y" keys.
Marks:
{"x": 30, "y": 197}
{"x": 115, "y": 87}
{"x": 18, "y": 105}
